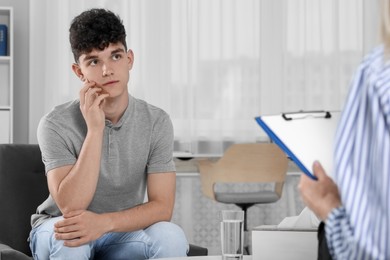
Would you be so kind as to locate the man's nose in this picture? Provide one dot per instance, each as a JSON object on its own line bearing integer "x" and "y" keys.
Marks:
{"x": 107, "y": 71}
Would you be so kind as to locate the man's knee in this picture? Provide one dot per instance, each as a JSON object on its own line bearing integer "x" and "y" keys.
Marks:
{"x": 169, "y": 238}
{"x": 59, "y": 251}
{"x": 44, "y": 245}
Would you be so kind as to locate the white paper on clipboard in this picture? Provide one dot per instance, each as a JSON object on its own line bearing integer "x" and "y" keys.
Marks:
{"x": 304, "y": 136}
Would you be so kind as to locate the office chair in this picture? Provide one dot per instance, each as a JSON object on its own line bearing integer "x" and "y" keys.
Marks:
{"x": 245, "y": 163}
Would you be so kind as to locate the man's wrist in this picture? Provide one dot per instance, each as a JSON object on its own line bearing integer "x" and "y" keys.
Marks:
{"x": 108, "y": 222}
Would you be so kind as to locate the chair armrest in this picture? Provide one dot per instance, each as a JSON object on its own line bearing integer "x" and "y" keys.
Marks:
{"x": 8, "y": 253}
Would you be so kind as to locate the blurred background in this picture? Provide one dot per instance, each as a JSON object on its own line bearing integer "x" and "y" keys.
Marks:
{"x": 212, "y": 65}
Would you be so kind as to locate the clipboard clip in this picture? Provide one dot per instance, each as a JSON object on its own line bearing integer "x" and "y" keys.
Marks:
{"x": 304, "y": 114}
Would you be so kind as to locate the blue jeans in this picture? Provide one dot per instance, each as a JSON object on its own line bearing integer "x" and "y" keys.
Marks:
{"x": 163, "y": 239}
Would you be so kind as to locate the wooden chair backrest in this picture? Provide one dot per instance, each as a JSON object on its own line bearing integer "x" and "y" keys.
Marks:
{"x": 251, "y": 162}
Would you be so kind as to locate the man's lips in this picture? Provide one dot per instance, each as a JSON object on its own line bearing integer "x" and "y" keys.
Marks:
{"x": 110, "y": 82}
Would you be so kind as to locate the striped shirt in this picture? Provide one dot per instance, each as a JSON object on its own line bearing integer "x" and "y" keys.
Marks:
{"x": 360, "y": 229}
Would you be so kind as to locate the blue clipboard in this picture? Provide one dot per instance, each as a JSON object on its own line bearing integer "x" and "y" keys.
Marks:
{"x": 304, "y": 137}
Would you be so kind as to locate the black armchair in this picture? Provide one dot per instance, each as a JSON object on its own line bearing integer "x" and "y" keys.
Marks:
{"x": 23, "y": 187}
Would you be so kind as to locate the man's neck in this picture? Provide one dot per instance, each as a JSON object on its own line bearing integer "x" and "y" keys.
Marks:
{"x": 114, "y": 108}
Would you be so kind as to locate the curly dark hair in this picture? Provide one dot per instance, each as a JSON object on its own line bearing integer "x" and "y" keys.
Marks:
{"x": 95, "y": 29}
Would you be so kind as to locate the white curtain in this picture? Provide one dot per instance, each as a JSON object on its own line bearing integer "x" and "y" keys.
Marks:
{"x": 213, "y": 65}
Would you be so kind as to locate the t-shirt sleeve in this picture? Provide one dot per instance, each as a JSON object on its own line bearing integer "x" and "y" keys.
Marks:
{"x": 161, "y": 150}
{"x": 55, "y": 151}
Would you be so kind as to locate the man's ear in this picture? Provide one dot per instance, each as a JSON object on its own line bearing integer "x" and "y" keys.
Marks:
{"x": 130, "y": 57}
{"x": 77, "y": 70}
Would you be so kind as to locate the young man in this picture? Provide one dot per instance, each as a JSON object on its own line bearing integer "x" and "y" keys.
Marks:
{"x": 101, "y": 152}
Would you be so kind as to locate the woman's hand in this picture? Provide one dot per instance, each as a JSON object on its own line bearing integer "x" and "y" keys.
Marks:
{"x": 320, "y": 196}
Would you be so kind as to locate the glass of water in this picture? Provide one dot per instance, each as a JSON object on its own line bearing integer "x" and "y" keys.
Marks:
{"x": 232, "y": 234}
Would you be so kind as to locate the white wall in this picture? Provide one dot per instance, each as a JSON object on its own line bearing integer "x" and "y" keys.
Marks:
{"x": 371, "y": 24}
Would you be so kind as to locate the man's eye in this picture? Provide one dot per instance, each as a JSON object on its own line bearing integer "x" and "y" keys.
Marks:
{"x": 116, "y": 57}
{"x": 93, "y": 62}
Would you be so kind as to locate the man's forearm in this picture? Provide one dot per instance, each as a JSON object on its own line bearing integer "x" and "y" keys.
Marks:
{"x": 139, "y": 217}
{"x": 161, "y": 200}
{"x": 78, "y": 187}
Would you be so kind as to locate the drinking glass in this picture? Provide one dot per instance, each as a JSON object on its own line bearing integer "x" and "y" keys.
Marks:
{"x": 232, "y": 234}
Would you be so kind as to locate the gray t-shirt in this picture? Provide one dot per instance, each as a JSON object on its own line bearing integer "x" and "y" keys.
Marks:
{"x": 139, "y": 144}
